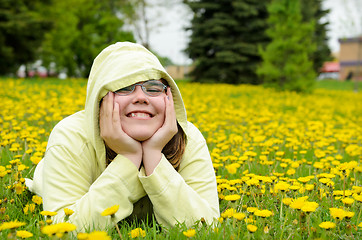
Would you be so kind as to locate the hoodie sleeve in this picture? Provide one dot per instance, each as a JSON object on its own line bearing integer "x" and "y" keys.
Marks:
{"x": 69, "y": 181}
{"x": 188, "y": 195}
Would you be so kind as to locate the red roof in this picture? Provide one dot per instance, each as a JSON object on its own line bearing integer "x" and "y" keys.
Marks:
{"x": 330, "y": 67}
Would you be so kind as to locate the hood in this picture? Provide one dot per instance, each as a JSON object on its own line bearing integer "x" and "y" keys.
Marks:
{"x": 117, "y": 66}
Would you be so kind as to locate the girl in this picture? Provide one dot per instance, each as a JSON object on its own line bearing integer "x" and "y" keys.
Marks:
{"x": 132, "y": 146}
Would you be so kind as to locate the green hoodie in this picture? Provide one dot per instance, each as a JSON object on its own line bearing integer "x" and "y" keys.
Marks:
{"x": 73, "y": 173}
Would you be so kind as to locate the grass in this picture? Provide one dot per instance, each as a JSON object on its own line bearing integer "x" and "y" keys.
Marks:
{"x": 332, "y": 84}
{"x": 274, "y": 151}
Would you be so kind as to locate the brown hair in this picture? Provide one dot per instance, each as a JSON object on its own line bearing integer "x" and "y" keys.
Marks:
{"x": 173, "y": 150}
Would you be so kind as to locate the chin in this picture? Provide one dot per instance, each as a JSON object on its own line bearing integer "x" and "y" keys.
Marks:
{"x": 140, "y": 135}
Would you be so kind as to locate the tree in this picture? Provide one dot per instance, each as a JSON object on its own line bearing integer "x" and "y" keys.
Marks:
{"x": 145, "y": 16}
{"x": 286, "y": 59}
{"x": 225, "y": 38}
{"x": 82, "y": 28}
{"x": 22, "y": 28}
{"x": 312, "y": 11}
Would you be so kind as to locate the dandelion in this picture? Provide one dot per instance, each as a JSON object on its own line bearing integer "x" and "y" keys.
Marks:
{"x": 98, "y": 235}
{"x": 360, "y": 225}
{"x": 23, "y": 234}
{"x": 287, "y": 201}
{"x": 19, "y": 188}
{"x": 48, "y": 213}
{"x": 190, "y": 233}
{"x": 337, "y": 213}
{"x": 263, "y": 213}
{"x": 228, "y": 213}
{"x": 110, "y": 211}
{"x": 232, "y": 198}
{"x": 251, "y": 228}
{"x": 327, "y": 225}
{"x": 50, "y": 230}
{"x": 36, "y": 199}
{"x": 82, "y": 236}
{"x": 11, "y": 225}
{"x": 348, "y": 201}
{"x": 310, "y": 207}
{"x": 68, "y": 211}
{"x": 239, "y": 216}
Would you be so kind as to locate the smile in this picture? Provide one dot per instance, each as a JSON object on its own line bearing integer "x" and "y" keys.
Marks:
{"x": 139, "y": 115}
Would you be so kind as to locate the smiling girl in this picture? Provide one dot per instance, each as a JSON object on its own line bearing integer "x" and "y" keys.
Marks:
{"x": 132, "y": 146}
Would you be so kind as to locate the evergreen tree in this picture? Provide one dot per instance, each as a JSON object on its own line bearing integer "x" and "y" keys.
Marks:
{"x": 286, "y": 59}
{"x": 225, "y": 38}
{"x": 312, "y": 10}
{"x": 22, "y": 28}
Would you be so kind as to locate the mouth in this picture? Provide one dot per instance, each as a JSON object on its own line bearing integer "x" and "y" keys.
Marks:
{"x": 140, "y": 115}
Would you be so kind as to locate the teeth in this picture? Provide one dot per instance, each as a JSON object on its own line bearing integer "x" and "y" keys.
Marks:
{"x": 142, "y": 115}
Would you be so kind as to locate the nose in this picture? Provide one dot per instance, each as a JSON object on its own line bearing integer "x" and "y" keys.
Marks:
{"x": 139, "y": 96}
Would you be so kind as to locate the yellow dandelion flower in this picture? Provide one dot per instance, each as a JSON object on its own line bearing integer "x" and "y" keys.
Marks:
{"x": 263, "y": 213}
{"x": 239, "y": 216}
{"x": 36, "y": 199}
{"x": 228, "y": 213}
{"x": 48, "y": 213}
{"x": 68, "y": 211}
{"x": 23, "y": 234}
{"x": 19, "y": 188}
{"x": 190, "y": 233}
{"x": 66, "y": 227}
{"x": 349, "y": 215}
{"x": 348, "y": 201}
{"x": 337, "y": 213}
{"x": 11, "y": 225}
{"x": 287, "y": 201}
{"x": 309, "y": 187}
{"x": 232, "y": 197}
{"x": 50, "y": 230}
{"x": 110, "y": 211}
{"x": 327, "y": 225}
{"x": 82, "y": 236}
{"x": 360, "y": 225}
{"x": 251, "y": 209}
{"x": 137, "y": 232}
{"x": 98, "y": 235}
{"x": 310, "y": 207}
{"x": 358, "y": 197}
{"x": 251, "y": 228}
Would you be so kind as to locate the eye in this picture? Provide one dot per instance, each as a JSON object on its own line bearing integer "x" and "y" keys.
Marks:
{"x": 125, "y": 90}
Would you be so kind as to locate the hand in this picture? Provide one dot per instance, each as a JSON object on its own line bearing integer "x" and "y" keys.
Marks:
{"x": 112, "y": 133}
{"x": 152, "y": 147}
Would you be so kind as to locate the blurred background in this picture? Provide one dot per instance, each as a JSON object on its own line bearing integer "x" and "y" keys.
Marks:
{"x": 231, "y": 41}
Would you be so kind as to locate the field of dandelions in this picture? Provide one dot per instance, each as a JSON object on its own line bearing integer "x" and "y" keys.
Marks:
{"x": 288, "y": 166}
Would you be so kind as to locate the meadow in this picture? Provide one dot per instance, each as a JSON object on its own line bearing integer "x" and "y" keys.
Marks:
{"x": 288, "y": 165}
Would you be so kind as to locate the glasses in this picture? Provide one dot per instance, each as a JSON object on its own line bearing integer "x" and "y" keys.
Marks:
{"x": 152, "y": 88}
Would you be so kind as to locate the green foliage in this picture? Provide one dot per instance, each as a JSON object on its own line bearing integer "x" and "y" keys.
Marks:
{"x": 286, "y": 60}
{"x": 22, "y": 28}
{"x": 225, "y": 39}
{"x": 82, "y": 29}
{"x": 312, "y": 11}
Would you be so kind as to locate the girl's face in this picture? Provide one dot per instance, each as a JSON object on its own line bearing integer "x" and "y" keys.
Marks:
{"x": 141, "y": 115}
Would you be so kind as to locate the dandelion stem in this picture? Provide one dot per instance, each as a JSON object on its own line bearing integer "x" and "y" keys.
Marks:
{"x": 119, "y": 233}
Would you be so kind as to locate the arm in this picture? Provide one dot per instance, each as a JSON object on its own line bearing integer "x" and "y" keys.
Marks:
{"x": 70, "y": 181}
{"x": 187, "y": 195}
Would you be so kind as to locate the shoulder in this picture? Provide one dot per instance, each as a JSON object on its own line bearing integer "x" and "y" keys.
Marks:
{"x": 193, "y": 134}
{"x": 69, "y": 132}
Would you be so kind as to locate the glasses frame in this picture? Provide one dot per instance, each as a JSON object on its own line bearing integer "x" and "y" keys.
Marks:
{"x": 143, "y": 88}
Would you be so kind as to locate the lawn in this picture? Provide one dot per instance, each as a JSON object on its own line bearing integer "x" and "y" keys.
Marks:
{"x": 288, "y": 165}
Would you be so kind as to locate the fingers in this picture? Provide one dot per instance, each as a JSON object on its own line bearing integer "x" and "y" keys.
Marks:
{"x": 170, "y": 114}
{"x": 106, "y": 115}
